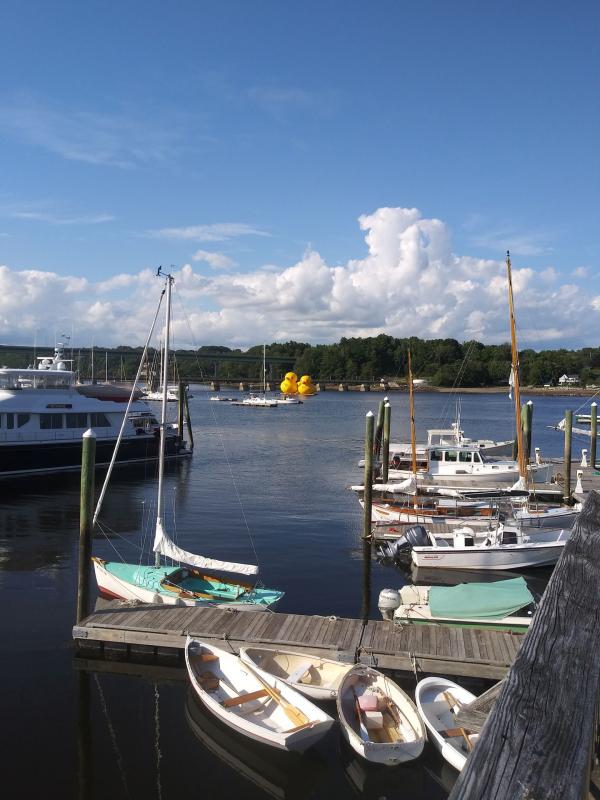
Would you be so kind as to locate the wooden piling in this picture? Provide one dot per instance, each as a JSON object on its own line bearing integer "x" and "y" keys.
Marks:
{"x": 379, "y": 429}
{"x": 527, "y": 425}
{"x": 538, "y": 740}
{"x": 86, "y": 514}
{"x": 180, "y": 409}
{"x": 594, "y": 434}
{"x": 368, "y": 476}
{"x": 385, "y": 450}
{"x": 567, "y": 457}
{"x": 188, "y": 419}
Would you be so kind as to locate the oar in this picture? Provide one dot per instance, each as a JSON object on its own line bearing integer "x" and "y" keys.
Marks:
{"x": 452, "y": 701}
{"x": 294, "y": 714}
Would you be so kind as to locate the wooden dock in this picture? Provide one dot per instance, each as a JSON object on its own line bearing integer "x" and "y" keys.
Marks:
{"x": 429, "y": 648}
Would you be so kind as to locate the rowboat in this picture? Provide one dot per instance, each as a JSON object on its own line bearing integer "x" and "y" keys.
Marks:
{"x": 379, "y": 721}
{"x": 438, "y": 700}
{"x": 315, "y": 677}
{"x": 261, "y": 706}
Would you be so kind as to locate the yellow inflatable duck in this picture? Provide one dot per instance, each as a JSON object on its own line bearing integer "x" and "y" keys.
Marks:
{"x": 289, "y": 385}
{"x": 305, "y": 386}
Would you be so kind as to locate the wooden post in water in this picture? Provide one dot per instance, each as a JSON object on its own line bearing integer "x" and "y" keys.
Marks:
{"x": 385, "y": 450}
{"x": 379, "y": 428}
{"x": 368, "y": 476}
{"x": 180, "y": 409}
{"x": 527, "y": 423}
{"x": 366, "y": 582}
{"x": 86, "y": 513}
{"x": 567, "y": 457}
{"x": 594, "y": 434}
{"x": 188, "y": 420}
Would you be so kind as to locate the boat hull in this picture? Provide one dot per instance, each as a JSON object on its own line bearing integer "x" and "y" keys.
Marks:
{"x": 489, "y": 558}
{"x": 436, "y": 712}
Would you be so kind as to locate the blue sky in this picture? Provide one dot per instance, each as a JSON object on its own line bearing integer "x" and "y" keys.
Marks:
{"x": 251, "y": 134}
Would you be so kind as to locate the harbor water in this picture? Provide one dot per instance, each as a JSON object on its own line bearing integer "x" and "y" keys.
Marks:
{"x": 266, "y": 485}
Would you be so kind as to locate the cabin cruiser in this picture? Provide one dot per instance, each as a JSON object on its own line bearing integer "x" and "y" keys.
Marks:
{"x": 466, "y": 465}
{"x": 44, "y": 413}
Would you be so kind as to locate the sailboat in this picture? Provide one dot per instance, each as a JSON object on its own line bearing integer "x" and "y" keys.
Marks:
{"x": 185, "y": 583}
{"x": 260, "y": 400}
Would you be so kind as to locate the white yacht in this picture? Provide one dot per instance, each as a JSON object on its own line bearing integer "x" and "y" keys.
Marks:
{"x": 44, "y": 413}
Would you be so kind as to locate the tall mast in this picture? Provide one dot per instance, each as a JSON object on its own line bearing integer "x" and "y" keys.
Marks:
{"x": 265, "y": 369}
{"x": 163, "y": 415}
{"x": 515, "y": 373}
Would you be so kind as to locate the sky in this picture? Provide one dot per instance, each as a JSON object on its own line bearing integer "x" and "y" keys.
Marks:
{"x": 307, "y": 170}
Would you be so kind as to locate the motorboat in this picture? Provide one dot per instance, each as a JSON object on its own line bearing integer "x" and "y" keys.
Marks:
{"x": 505, "y": 605}
{"x": 44, "y": 412}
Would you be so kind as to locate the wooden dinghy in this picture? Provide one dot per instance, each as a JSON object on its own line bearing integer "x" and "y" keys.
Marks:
{"x": 379, "y": 720}
{"x": 438, "y": 702}
{"x": 315, "y": 677}
{"x": 261, "y": 706}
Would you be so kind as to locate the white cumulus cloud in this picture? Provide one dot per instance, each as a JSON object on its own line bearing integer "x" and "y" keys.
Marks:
{"x": 216, "y": 260}
{"x": 407, "y": 282}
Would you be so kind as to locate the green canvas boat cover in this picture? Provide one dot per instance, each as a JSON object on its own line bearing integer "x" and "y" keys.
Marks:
{"x": 480, "y": 600}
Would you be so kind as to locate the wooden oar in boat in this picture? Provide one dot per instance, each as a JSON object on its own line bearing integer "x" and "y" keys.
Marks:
{"x": 294, "y": 714}
{"x": 452, "y": 702}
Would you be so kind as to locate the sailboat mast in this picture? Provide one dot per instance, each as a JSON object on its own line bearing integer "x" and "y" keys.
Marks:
{"x": 264, "y": 369}
{"x": 163, "y": 414}
{"x": 515, "y": 373}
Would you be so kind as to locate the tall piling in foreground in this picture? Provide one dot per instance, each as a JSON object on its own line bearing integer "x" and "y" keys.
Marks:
{"x": 593, "y": 434}
{"x": 379, "y": 428}
{"x": 86, "y": 513}
{"x": 567, "y": 457}
{"x": 527, "y": 425}
{"x": 368, "y": 476}
{"x": 385, "y": 448}
{"x": 366, "y": 582}
{"x": 538, "y": 740}
{"x": 180, "y": 409}
{"x": 188, "y": 421}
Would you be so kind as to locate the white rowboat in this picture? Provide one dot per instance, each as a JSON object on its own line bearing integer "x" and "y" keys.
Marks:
{"x": 438, "y": 700}
{"x": 261, "y": 707}
{"x": 390, "y": 733}
{"x": 315, "y": 677}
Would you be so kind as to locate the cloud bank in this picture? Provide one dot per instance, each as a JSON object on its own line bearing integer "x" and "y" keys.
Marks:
{"x": 408, "y": 283}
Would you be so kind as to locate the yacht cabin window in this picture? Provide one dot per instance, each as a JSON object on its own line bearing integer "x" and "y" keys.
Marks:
{"x": 99, "y": 420}
{"x": 22, "y": 419}
{"x": 451, "y": 455}
{"x": 76, "y": 420}
{"x": 436, "y": 455}
{"x": 477, "y": 458}
{"x": 51, "y": 421}
{"x": 10, "y": 421}
{"x": 465, "y": 456}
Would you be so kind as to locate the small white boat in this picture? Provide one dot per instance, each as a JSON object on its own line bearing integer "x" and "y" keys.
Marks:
{"x": 379, "y": 721}
{"x": 438, "y": 700}
{"x": 504, "y": 549}
{"x": 315, "y": 677}
{"x": 261, "y": 706}
{"x": 256, "y": 401}
{"x": 288, "y": 401}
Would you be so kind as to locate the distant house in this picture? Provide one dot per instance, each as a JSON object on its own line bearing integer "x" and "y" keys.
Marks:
{"x": 420, "y": 381}
{"x": 568, "y": 380}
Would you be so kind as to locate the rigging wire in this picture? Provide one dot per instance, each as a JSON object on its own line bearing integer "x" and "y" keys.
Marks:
{"x": 113, "y": 737}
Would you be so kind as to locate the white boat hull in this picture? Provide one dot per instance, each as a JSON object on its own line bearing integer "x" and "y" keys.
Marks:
{"x": 436, "y": 711}
{"x": 261, "y": 719}
{"x": 390, "y": 753}
{"x": 493, "y": 557}
{"x": 317, "y": 678}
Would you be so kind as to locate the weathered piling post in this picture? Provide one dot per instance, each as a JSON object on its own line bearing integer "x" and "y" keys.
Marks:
{"x": 385, "y": 451}
{"x": 368, "y": 476}
{"x": 86, "y": 511}
{"x": 527, "y": 424}
{"x": 366, "y": 582}
{"x": 567, "y": 457}
{"x": 379, "y": 428}
{"x": 593, "y": 434}
{"x": 180, "y": 409}
{"x": 188, "y": 419}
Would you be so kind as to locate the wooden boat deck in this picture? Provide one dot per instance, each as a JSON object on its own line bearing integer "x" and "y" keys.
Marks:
{"x": 430, "y": 648}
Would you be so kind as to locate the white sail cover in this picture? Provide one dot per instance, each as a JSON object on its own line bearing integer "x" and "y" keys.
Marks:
{"x": 408, "y": 486}
{"x": 167, "y": 547}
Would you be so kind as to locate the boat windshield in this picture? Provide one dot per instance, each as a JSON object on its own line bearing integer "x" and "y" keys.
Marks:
{"x": 35, "y": 379}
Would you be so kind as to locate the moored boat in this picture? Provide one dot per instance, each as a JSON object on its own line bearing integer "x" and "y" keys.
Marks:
{"x": 438, "y": 701}
{"x": 315, "y": 677}
{"x": 261, "y": 706}
{"x": 379, "y": 721}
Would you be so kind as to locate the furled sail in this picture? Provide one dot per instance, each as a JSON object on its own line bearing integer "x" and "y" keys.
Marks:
{"x": 167, "y": 547}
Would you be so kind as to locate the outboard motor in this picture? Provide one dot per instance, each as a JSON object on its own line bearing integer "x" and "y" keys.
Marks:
{"x": 388, "y": 602}
{"x": 415, "y": 536}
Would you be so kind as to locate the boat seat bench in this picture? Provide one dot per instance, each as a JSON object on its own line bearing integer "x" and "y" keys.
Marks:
{"x": 244, "y": 698}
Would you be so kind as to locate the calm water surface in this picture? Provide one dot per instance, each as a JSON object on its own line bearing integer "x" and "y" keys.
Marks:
{"x": 280, "y": 473}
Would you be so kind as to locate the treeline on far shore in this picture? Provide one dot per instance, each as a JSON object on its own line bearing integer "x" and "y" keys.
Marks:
{"x": 443, "y": 362}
